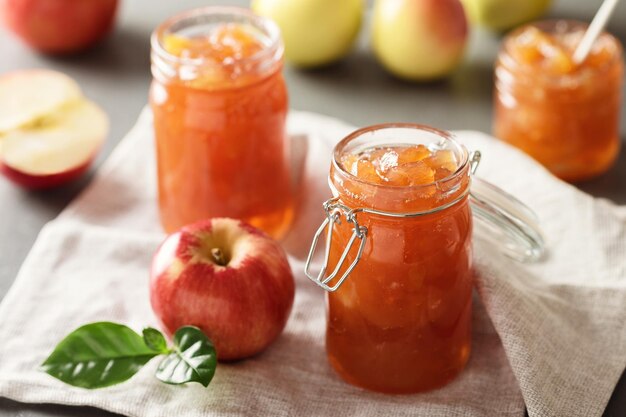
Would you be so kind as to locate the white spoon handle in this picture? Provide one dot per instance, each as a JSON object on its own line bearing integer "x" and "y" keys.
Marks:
{"x": 595, "y": 28}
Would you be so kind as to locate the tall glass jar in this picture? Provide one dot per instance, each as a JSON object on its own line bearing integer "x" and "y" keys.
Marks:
{"x": 398, "y": 261}
{"x": 564, "y": 115}
{"x": 220, "y": 103}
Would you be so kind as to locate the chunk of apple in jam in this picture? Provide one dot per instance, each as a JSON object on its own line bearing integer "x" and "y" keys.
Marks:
{"x": 535, "y": 47}
{"x": 400, "y": 165}
{"x": 443, "y": 163}
{"x": 227, "y": 42}
{"x": 412, "y": 154}
{"x": 225, "y": 46}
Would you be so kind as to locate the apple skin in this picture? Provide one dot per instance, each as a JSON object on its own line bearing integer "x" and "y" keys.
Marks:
{"x": 419, "y": 40}
{"x": 243, "y": 306}
{"x": 59, "y": 26}
{"x": 40, "y": 182}
{"x": 501, "y": 15}
{"x": 315, "y": 32}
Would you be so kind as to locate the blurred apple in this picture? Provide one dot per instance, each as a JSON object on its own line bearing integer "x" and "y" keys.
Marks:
{"x": 504, "y": 14}
{"x": 315, "y": 32}
{"x": 419, "y": 39}
{"x": 59, "y": 26}
{"x": 49, "y": 133}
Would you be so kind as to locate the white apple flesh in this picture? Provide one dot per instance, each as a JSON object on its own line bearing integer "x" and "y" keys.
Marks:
{"x": 28, "y": 95}
{"x": 49, "y": 134}
{"x": 229, "y": 279}
{"x": 419, "y": 40}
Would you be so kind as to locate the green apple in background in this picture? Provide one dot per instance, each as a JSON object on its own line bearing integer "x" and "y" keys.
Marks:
{"x": 315, "y": 32}
{"x": 419, "y": 39}
{"x": 504, "y": 14}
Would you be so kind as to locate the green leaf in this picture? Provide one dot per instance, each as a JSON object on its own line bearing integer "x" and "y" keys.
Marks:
{"x": 98, "y": 355}
{"x": 155, "y": 340}
{"x": 193, "y": 358}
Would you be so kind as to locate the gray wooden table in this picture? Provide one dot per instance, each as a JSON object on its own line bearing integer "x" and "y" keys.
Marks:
{"x": 116, "y": 75}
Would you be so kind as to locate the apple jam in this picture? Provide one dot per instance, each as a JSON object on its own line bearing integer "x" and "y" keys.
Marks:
{"x": 220, "y": 104}
{"x": 564, "y": 115}
{"x": 401, "y": 320}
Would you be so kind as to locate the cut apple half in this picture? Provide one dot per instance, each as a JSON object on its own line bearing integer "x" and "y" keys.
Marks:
{"x": 26, "y": 96}
{"x": 56, "y": 148}
{"x": 49, "y": 133}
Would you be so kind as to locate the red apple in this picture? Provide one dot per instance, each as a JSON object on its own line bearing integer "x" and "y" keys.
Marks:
{"x": 229, "y": 279}
{"x": 49, "y": 133}
{"x": 59, "y": 26}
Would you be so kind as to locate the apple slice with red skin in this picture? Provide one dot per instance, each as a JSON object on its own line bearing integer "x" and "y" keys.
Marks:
{"x": 55, "y": 149}
{"x": 227, "y": 278}
{"x": 29, "y": 95}
{"x": 49, "y": 134}
{"x": 34, "y": 182}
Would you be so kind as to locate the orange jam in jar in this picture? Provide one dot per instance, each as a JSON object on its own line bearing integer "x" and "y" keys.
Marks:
{"x": 564, "y": 115}
{"x": 220, "y": 104}
{"x": 401, "y": 321}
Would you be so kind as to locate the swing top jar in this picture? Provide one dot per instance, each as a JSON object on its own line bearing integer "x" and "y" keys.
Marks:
{"x": 397, "y": 265}
{"x": 564, "y": 115}
{"x": 401, "y": 323}
{"x": 220, "y": 103}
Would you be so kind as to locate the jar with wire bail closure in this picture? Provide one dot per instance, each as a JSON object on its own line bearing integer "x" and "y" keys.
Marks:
{"x": 397, "y": 263}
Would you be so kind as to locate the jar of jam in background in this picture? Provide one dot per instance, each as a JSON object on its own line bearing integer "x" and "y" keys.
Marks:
{"x": 220, "y": 104}
{"x": 397, "y": 264}
{"x": 564, "y": 115}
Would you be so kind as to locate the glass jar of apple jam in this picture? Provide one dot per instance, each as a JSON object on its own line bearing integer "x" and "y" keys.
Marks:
{"x": 220, "y": 104}
{"x": 398, "y": 259}
{"x": 564, "y": 115}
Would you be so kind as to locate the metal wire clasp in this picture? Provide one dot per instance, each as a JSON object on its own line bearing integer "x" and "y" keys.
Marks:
{"x": 335, "y": 211}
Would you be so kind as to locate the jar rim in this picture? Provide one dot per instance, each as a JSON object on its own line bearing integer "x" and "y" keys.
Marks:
{"x": 273, "y": 50}
{"x": 443, "y": 134}
{"x": 506, "y": 58}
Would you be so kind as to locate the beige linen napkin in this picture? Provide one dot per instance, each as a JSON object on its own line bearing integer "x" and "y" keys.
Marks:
{"x": 557, "y": 342}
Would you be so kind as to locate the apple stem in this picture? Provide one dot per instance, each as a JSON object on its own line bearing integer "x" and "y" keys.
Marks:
{"x": 218, "y": 256}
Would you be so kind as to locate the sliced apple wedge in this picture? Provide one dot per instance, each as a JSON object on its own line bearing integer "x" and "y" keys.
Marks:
{"x": 26, "y": 96}
{"x": 49, "y": 133}
{"x": 56, "y": 148}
